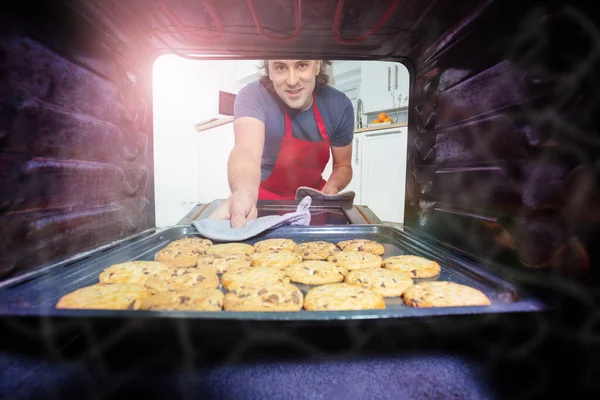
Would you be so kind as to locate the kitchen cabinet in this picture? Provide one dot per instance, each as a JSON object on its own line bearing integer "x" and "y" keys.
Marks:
{"x": 401, "y": 85}
{"x": 354, "y": 184}
{"x": 377, "y": 85}
{"x": 382, "y": 85}
{"x": 379, "y": 172}
{"x": 383, "y": 172}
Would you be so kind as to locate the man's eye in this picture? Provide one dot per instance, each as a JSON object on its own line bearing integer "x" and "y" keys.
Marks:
{"x": 303, "y": 65}
{"x": 280, "y": 68}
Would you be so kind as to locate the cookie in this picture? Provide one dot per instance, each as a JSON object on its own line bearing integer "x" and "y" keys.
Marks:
{"x": 413, "y": 266}
{"x": 186, "y": 300}
{"x": 114, "y": 296}
{"x": 275, "y": 258}
{"x": 279, "y": 297}
{"x": 341, "y": 296}
{"x": 352, "y": 260}
{"x": 316, "y": 272}
{"x": 192, "y": 242}
{"x": 318, "y": 250}
{"x": 253, "y": 276}
{"x": 275, "y": 244}
{"x": 225, "y": 262}
{"x": 179, "y": 257}
{"x": 231, "y": 248}
{"x": 443, "y": 294}
{"x": 184, "y": 278}
{"x": 386, "y": 282}
{"x": 362, "y": 245}
{"x": 132, "y": 272}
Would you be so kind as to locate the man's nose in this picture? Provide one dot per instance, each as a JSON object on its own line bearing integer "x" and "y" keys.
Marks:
{"x": 292, "y": 78}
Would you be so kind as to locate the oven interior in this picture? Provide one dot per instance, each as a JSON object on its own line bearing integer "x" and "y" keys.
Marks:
{"x": 502, "y": 141}
{"x": 502, "y": 175}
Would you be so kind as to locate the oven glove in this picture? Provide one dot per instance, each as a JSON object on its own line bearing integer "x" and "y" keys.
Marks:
{"x": 318, "y": 195}
{"x": 221, "y": 230}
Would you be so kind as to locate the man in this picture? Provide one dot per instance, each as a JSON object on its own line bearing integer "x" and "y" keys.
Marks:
{"x": 286, "y": 126}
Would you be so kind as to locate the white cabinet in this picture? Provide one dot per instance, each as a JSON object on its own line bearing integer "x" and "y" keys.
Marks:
{"x": 382, "y": 162}
{"x": 401, "y": 85}
{"x": 354, "y": 184}
{"x": 384, "y": 86}
{"x": 356, "y": 169}
{"x": 379, "y": 172}
{"x": 376, "y": 86}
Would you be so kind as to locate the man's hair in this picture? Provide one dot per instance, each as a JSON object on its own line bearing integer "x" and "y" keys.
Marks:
{"x": 322, "y": 77}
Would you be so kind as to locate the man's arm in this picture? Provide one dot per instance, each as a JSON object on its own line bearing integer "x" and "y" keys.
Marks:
{"x": 341, "y": 145}
{"x": 243, "y": 167}
{"x": 243, "y": 171}
{"x": 342, "y": 169}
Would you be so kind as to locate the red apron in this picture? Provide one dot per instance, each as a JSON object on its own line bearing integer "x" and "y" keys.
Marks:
{"x": 299, "y": 163}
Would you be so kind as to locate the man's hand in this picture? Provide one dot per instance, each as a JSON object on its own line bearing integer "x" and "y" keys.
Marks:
{"x": 330, "y": 188}
{"x": 238, "y": 208}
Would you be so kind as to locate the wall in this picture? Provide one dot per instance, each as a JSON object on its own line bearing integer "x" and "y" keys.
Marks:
{"x": 190, "y": 167}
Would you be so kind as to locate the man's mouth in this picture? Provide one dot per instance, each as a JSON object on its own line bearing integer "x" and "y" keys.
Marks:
{"x": 293, "y": 93}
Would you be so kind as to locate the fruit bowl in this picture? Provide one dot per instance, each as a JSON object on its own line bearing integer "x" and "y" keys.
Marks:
{"x": 378, "y": 124}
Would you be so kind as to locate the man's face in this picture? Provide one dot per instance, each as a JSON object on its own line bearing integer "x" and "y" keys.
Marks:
{"x": 294, "y": 81}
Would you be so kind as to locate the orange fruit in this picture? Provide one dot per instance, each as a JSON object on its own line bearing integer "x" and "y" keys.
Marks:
{"x": 388, "y": 119}
{"x": 382, "y": 116}
{"x": 376, "y": 121}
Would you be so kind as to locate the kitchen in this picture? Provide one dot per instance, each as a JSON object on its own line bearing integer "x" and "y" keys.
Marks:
{"x": 193, "y": 103}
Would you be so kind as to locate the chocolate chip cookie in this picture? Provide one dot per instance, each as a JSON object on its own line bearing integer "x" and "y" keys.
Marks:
{"x": 341, "y": 296}
{"x": 114, "y": 296}
{"x": 253, "y": 276}
{"x": 317, "y": 250}
{"x": 184, "y": 278}
{"x": 185, "y": 300}
{"x": 231, "y": 248}
{"x": 195, "y": 243}
{"x": 278, "y": 297}
{"x": 413, "y": 266}
{"x": 386, "y": 282}
{"x": 225, "y": 262}
{"x": 443, "y": 294}
{"x": 275, "y": 244}
{"x": 369, "y": 246}
{"x": 316, "y": 272}
{"x": 275, "y": 258}
{"x": 179, "y": 257}
{"x": 132, "y": 272}
{"x": 352, "y": 260}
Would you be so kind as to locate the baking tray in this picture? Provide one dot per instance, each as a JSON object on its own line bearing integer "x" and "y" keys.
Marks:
{"x": 36, "y": 294}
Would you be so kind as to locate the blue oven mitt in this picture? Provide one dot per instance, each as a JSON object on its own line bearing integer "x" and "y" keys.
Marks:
{"x": 303, "y": 191}
{"x": 221, "y": 229}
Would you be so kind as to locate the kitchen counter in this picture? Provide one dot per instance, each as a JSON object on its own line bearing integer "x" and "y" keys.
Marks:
{"x": 380, "y": 127}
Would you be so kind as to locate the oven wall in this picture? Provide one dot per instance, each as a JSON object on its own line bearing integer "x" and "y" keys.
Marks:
{"x": 75, "y": 136}
{"x": 503, "y": 144}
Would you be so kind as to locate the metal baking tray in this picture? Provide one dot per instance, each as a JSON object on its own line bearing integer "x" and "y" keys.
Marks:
{"x": 36, "y": 294}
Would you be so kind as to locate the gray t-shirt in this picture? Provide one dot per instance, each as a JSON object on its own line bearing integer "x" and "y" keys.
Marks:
{"x": 335, "y": 108}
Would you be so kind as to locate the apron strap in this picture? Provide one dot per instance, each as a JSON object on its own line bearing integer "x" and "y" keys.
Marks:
{"x": 320, "y": 124}
{"x": 288, "y": 122}
{"x": 317, "y": 115}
